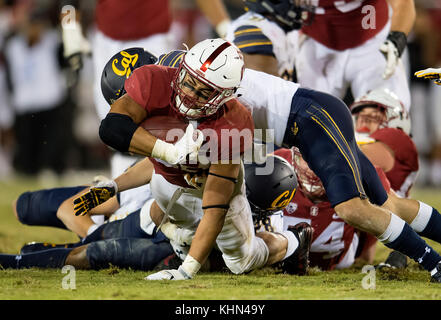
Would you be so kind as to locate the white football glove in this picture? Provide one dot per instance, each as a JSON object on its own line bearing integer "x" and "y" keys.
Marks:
{"x": 173, "y": 274}
{"x": 431, "y": 74}
{"x": 75, "y": 44}
{"x": 181, "y": 236}
{"x": 391, "y": 54}
{"x": 177, "y": 153}
{"x": 392, "y": 50}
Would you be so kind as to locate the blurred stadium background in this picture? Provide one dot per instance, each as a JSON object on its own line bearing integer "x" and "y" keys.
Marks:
{"x": 71, "y": 147}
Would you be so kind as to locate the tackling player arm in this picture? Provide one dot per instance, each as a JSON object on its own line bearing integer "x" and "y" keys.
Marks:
{"x": 379, "y": 154}
{"x": 260, "y": 62}
{"x": 135, "y": 176}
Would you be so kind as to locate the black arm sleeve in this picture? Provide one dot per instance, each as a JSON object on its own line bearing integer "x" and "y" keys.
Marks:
{"x": 116, "y": 130}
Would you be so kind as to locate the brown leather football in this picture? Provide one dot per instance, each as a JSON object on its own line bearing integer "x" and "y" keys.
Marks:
{"x": 167, "y": 128}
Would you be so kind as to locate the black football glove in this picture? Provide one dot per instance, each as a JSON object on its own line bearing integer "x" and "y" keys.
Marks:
{"x": 94, "y": 197}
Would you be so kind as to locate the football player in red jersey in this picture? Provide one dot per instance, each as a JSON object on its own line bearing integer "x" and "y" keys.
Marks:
{"x": 335, "y": 243}
{"x": 121, "y": 25}
{"x": 356, "y": 44}
{"x": 201, "y": 91}
{"x": 380, "y": 115}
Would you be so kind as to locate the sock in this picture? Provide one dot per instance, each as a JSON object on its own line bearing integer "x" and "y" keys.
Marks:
{"x": 293, "y": 243}
{"x": 432, "y": 228}
{"x": 51, "y": 258}
{"x": 401, "y": 237}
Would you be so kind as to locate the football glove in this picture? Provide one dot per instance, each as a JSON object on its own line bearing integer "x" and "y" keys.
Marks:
{"x": 178, "y": 152}
{"x": 75, "y": 44}
{"x": 392, "y": 50}
{"x": 96, "y": 195}
{"x": 431, "y": 74}
{"x": 179, "y": 274}
{"x": 181, "y": 236}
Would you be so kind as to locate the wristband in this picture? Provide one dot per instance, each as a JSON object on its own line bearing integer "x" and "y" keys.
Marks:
{"x": 164, "y": 151}
{"x": 399, "y": 39}
{"x": 191, "y": 266}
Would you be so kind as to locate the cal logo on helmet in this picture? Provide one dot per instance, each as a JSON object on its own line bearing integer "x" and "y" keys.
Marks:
{"x": 119, "y": 68}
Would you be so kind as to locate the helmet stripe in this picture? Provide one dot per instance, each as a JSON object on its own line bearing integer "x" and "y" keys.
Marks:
{"x": 213, "y": 56}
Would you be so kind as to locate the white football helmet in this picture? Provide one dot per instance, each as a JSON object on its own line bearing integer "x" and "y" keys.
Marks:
{"x": 308, "y": 181}
{"x": 396, "y": 114}
{"x": 217, "y": 64}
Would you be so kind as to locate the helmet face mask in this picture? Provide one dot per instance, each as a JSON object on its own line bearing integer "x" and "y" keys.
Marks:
{"x": 309, "y": 182}
{"x": 195, "y": 98}
{"x": 207, "y": 78}
{"x": 370, "y": 118}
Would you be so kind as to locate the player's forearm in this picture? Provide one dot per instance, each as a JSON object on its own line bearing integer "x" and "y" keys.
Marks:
{"x": 404, "y": 14}
{"x": 215, "y": 203}
{"x": 259, "y": 62}
{"x": 205, "y": 237}
{"x": 138, "y": 175}
{"x": 142, "y": 143}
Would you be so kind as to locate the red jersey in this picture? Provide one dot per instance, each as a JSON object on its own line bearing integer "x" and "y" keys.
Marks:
{"x": 227, "y": 134}
{"x": 404, "y": 172}
{"x": 341, "y": 25}
{"x": 332, "y": 238}
{"x": 132, "y": 19}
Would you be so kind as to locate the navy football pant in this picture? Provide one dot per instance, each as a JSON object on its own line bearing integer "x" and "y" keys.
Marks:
{"x": 321, "y": 126}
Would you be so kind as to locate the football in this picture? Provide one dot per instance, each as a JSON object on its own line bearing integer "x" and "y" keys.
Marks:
{"x": 167, "y": 128}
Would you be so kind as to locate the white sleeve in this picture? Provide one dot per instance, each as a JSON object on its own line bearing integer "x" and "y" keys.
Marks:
{"x": 269, "y": 99}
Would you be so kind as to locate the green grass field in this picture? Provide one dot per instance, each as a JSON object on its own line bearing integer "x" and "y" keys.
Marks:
{"x": 114, "y": 283}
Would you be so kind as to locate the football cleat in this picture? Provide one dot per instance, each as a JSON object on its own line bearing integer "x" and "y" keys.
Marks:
{"x": 436, "y": 277}
{"x": 298, "y": 262}
{"x": 395, "y": 260}
{"x": 40, "y": 246}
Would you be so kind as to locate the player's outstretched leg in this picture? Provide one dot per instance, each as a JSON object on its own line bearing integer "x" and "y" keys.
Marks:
{"x": 391, "y": 230}
{"x": 424, "y": 219}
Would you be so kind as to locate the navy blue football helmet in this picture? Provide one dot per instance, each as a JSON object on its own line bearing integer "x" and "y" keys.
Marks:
{"x": 119, "y": 68}
{"x": 272, "y": 192}
{"x": 288, "y": 14}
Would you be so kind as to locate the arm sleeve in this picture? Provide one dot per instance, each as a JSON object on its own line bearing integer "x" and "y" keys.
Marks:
{"x": 251, "y": 40}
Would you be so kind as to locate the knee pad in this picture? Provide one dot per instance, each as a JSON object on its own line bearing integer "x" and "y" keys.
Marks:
{"x": 39, "y": 208}
{"x": 137, "y": 254}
